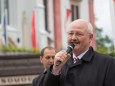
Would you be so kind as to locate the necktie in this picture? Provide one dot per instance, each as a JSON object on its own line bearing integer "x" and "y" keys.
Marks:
{"x": 75, "y": 59}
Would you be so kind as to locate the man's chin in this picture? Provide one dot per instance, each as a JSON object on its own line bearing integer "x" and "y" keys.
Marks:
{"x": 77, "y": 47}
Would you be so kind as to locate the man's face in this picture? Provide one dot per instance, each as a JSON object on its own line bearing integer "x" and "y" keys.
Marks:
{"x": 78, "y": 34}
{"x": 48, "y": 58}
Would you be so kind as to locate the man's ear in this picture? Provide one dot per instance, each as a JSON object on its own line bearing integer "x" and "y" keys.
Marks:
{"x": 91, "y": 36}
{"x": 41, "y": 59}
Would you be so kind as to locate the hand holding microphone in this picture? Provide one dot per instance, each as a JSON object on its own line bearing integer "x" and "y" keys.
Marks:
{"x": 69, "y": 50}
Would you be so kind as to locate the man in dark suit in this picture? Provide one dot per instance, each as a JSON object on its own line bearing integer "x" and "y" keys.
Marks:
{"x": 47, "y": 59}
{"x": 89, "y": 68}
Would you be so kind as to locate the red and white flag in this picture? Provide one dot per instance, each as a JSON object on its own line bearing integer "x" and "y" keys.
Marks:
{"x": 68, "y": 13}
{"x": 33, "y": 31}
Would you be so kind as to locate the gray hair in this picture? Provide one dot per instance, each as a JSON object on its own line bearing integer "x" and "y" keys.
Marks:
{"x": 89, "y": 25}
{"x": 90, "y": 28}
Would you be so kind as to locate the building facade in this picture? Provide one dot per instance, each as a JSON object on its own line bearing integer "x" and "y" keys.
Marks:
{"x": 51, "y": 20}
{"x": 39, "y": 23}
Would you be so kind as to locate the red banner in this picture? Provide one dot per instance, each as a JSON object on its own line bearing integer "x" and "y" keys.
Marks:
{"x": 33, "y": 32}
{"x": 68, "y": 12}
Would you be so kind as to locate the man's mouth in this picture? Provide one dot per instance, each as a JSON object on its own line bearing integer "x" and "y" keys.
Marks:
{"x": 75, "y": 42}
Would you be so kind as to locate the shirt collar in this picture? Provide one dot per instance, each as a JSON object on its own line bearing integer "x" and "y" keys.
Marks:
{"x": 81, "y": 55}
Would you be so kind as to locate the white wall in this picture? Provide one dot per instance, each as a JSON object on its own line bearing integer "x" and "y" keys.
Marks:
{"x": 40, "y": 25}
{"x": 112, "y": 13}
{"x": 84, "y": 10}
{"x": 65, "y": 4}
{"x": 51, "y": 20}
{"x": 27, "y": 6}
{"x": 17, "y": 8}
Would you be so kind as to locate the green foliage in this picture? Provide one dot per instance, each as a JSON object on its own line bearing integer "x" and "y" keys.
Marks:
{"x": 102, "y": 50}
{"x": 104, "y": 44}
{"x": 10, "y": 49}
{"x": 112, "y": 54}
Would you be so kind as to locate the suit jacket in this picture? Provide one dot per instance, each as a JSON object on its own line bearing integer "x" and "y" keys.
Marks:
{"x": 38, "y": 80}
{"x": 93, "y": 69}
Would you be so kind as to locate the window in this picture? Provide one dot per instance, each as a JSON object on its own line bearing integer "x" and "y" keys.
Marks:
{"x": 46, "y": 18}
{"x": 4, "y": 9}
{"x": 75, "y": 12}
{"x": 49, "y": 40}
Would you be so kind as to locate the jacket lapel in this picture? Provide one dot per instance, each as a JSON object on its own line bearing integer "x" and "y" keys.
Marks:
{"x": 89, "y": 54}
{"x": 87, "y": 57}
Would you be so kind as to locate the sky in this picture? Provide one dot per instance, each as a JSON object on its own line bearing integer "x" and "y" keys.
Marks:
{"x": 102, "y": 14}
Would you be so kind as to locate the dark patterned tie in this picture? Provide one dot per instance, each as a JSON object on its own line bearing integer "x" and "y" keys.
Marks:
{"x": 75, "y": 59}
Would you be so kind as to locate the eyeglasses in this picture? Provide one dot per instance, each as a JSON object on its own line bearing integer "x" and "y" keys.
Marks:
{"x": 78, "y": 34}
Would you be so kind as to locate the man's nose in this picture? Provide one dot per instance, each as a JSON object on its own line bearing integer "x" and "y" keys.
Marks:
{"x": 74, "y": 36}
{"x": 51, "y": 59}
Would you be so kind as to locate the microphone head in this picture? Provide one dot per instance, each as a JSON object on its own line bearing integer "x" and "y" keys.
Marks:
{"x": 72, "y": 45}
{"x": 70, "y": 48}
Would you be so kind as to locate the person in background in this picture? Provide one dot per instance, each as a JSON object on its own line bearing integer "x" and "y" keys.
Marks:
{"x": 84, "y": 66}
{"x": 47, "y": 59}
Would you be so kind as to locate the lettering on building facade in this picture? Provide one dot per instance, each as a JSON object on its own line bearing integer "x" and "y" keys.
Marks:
{"x": 17, "y": 80}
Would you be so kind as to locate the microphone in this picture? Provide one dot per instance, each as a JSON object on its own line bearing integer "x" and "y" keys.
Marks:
{"x": 69, "y": 50}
